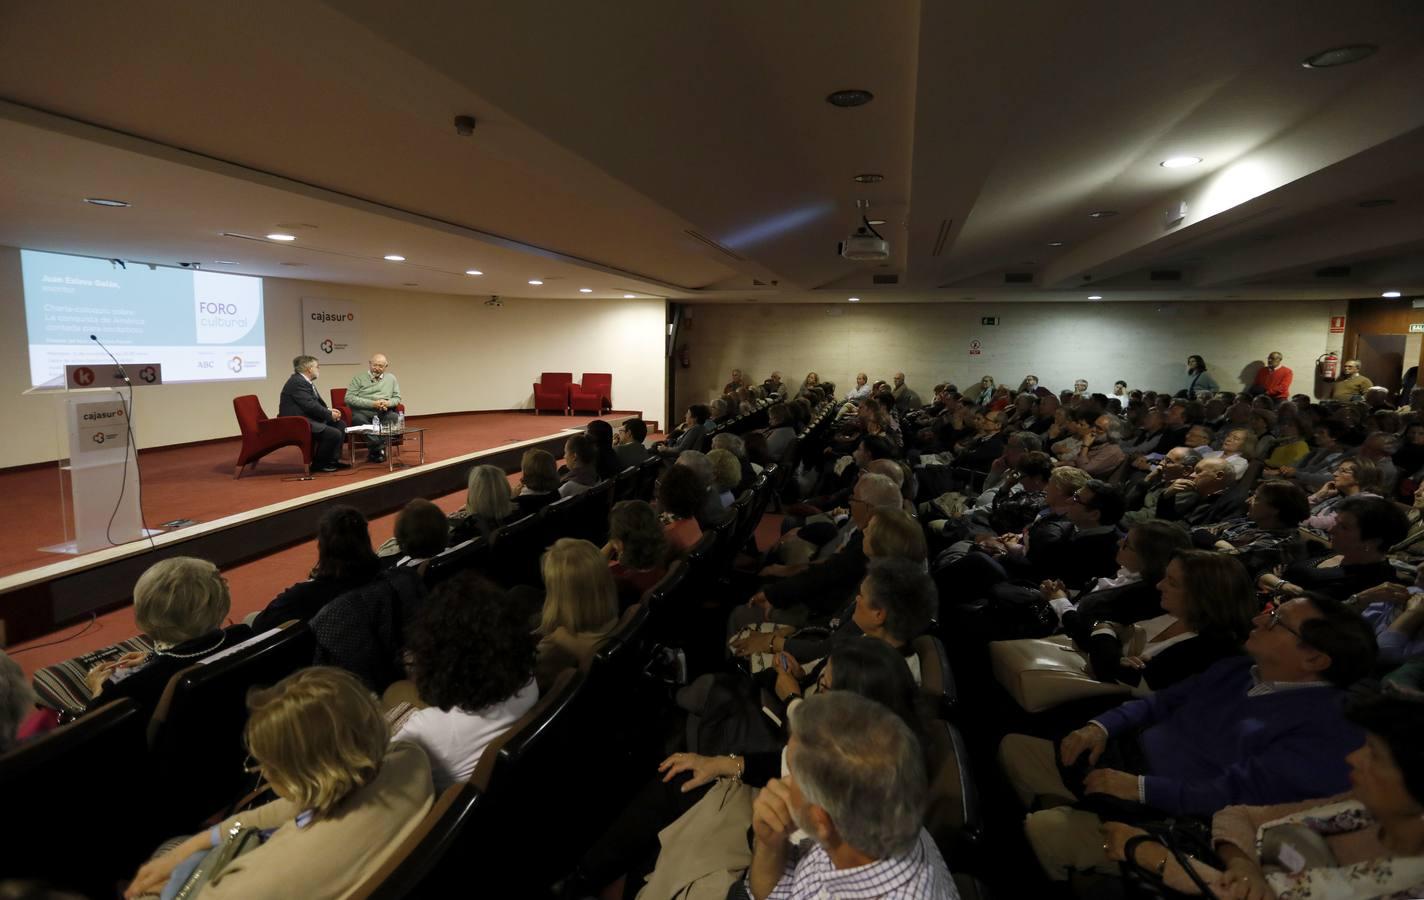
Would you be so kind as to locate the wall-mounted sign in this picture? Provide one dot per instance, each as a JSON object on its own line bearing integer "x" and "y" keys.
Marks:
{"x": 974, "y": 348}
{"x": 989, "y": 320}
{"x": 1416, "y": 327}
{"x": 1337, "y": 324}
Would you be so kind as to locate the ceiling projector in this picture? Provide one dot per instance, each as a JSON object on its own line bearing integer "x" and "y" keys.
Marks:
{"x": 866, "y": 245}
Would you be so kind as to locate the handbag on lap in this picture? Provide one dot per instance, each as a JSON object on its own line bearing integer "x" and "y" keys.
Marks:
{"x": 1041, "y": 673}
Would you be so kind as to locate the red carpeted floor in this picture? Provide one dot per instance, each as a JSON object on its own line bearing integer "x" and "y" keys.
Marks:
{"x": 196, "y": 483}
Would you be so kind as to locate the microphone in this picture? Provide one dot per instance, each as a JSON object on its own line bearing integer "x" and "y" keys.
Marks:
{"x": 123, "y": 373}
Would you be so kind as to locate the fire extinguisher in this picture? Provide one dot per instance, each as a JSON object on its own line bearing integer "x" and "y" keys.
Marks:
{"x": 1328, "y": 365}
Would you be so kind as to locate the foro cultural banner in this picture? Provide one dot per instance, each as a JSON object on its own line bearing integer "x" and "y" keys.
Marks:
{"x": 331, "y": 330}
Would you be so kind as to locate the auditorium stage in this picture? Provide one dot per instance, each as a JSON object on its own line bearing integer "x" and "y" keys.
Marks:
{"x": 234, "y": 519}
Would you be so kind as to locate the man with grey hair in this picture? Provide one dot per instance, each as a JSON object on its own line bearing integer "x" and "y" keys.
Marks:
{"x": 737, "y": 447}
{"x": 905, "y": 398}
{"x": 1099, "y": 453}
{"x": 373, "y": 396}
{"x": 857, "y": 789}
{"x": 301, "y": 398}
{"x": 861, "y": 389}
{"x": 1351, "y": 385}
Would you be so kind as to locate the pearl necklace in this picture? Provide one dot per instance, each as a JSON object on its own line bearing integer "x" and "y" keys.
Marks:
{"x": 222, "y": 637}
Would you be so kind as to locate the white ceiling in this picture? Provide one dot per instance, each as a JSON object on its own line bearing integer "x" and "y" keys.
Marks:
{"x": 686, "y": 150}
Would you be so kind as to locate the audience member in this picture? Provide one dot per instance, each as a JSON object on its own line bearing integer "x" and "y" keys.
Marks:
{"x": 488, "y": 505}
{"x": 581, "y": 457}
{"x": 694, "y": 431}
{"x": 628, "y": 442}
{"x": 472, "y": 662}
{"x": 1268, "y": 535}
{"x": 857, "y": 786}
{"x": 1356, "y": 477}
{"x": 538, "y": 481}
{"x": 1365, "y": 528}
{"x": 606, "y": 464}
{"x": 1197, "y": 379}
{"x": 181, "y": 604}
{"x": 1204, "y": 497}
{"x": 580, "y": 608}
{"x": 1273, "y": 379}
{"x": 347, "y": 796}
{"x": 680, "y": 496}
{"x": 344, "y": 562}
{"x": 1266, "y": 728}
{"x": 637, "y": 549}
{"x": 1351, "y": 385}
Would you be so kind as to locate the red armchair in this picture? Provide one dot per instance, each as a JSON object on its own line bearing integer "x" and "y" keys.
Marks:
{"x": 338, "y": 401}
{"x": 551, "y": 391}
{"x": 595, "y": 393}
{"x": 261, "y": 435}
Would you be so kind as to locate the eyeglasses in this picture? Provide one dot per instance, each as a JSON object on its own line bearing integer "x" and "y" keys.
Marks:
{"x": 1085, "y": 501}
{"x": 1274, "y": 614}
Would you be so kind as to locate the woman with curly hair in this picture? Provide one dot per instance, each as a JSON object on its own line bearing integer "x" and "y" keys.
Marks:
{"x": 472, "y": 661}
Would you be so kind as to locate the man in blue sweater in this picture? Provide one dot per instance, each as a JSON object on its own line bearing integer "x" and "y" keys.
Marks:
{"x": 1259, "y": 729}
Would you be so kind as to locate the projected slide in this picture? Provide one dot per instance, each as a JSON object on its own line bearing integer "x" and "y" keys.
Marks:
{"x": 201, "y": 326}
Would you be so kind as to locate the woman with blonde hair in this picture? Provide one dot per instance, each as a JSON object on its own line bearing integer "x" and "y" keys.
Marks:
{"x": 488, "y": 505}
{"x": 181, "y": 604}
{"x": 347, "y": 796}
{"x": 580, "y": 607}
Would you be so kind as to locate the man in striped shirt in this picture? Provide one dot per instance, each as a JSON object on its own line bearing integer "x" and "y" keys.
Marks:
{"x": 854, "y": 798}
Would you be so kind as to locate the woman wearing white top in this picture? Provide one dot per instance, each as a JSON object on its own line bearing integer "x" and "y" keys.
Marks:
{"x": 472, "y": 661}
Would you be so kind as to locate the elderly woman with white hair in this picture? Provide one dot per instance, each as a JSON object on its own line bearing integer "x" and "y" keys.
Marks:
{"x": 180, "y": 604}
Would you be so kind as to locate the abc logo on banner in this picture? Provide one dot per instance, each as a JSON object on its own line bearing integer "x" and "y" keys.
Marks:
{"x": 331, "y": 331}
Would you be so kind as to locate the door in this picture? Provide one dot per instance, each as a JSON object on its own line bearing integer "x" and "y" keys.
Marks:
{"x": 1382, "y": 359}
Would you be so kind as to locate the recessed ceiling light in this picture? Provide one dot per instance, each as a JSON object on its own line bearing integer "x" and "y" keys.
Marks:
{"x": 104, "y": 201}
{"x": 1339, "y": 56}
{"x": 395, "y": 257}
{"x": 226, "y": 262}
{"x": 1390, "y": 294}
{"x": 852, "y": 299}
{"x": 1179, "y": 162}
{"x": 876, "y": 221}
{"x": 1055, "y": 243}
{"x": 585, "y": 290}
{"x": 536, "y": 282}
{"x": 473, "y": 272}
{"x": 278, "y": 236}
{"x": 850, "y": 97}
{"x": 628, "y": 297}
{"x": 1102, "y": 214}
{"x": 1095, "y": 296}
{"x": 869, "y": 178}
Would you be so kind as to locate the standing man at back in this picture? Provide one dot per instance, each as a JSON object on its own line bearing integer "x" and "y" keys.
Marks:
{"x": 373, "y": 396}
{"x": 1274, "y": 379}
{"x": 301, "y": 398}
{"x": 1351, "y": 385}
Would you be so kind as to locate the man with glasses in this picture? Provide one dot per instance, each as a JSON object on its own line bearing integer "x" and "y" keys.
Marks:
{"x": 1091, "y": 549}
{"x": 1203, "y": 498}
{"x": 1257, "y": 729}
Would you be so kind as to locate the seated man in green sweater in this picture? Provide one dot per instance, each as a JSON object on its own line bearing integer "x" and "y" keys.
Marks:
{"x": 373, "y": 397}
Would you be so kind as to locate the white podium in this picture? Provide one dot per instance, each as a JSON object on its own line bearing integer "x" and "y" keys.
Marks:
{"x": 99, "y": 481}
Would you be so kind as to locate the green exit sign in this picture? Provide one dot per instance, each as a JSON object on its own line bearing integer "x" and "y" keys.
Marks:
{"x": 994, "y": 320}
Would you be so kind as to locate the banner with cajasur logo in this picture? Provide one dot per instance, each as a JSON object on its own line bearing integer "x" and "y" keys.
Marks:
{"x": 331, "y": 330}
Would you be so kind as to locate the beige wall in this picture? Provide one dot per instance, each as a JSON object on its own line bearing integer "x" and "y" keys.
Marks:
{"x": 451, "y": 354}
{"x": 1145, "y": 344}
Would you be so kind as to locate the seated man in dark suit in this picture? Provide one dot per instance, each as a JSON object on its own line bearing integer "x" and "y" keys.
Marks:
{"x": 301, "y": 398}
{"x": 628, "y": 442}
{"x": 1204, "y": 498}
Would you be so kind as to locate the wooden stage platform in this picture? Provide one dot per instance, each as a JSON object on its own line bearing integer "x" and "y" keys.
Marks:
{"x": 234, "y": 519}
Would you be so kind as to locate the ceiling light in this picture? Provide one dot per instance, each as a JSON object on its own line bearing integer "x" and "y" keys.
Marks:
{"x": 585, "y": 290}
{"x": 1102, "y": 214}
{"x": 849, "y": 98}
{"x": 1390, "y": 294}
{"x": 536, "y": 282}
{"x": 278, "y": 236}
{"x": 869, "y": 178}
{"x": 395, "y": 257}
{"x": 852, "y": 299}
{"x": 1095, "y": 296}
{"x": 876, "y": 221}
{"x": 1338, "y": 56}
{"x": 628, "y": 297}
{"x": 1055, "y": 243}
{"x": 102, "y": 201}
{"x": 226, "y": 262}
{"x": 473, "y": 272}
{"x": 1179, "y": 162}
